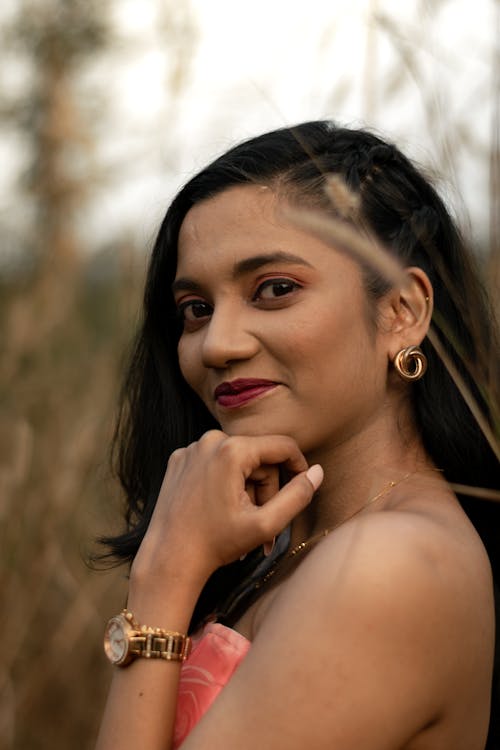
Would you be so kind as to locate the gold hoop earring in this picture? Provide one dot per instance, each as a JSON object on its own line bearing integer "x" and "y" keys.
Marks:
{"x": 410, "y": 363}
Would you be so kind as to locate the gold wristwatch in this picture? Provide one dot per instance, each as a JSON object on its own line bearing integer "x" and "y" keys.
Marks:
{"x": 125, "y": 640}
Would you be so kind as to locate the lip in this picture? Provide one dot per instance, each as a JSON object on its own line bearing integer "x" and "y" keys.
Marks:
{"x": 241, "y": 391}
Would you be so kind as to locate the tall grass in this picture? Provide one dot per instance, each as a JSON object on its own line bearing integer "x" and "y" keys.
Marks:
{"x": 63, "y": 341}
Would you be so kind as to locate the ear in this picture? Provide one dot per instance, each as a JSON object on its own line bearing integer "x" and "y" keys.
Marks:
{"x": 408, "y": 311}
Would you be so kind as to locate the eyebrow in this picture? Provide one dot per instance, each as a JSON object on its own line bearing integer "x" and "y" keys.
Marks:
{"x": 246, "y": 266}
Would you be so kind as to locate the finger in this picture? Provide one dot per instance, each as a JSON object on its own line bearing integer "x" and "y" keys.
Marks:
{"x": 265, "y": 482}
{"x": 212, "y": 436}
{"x": 267, "y": 449}
{"x": 269, "y": 546}
{"x": 266, "y": 485}
{"x": 289, "y": 501}
{"x": 250, "y": 490}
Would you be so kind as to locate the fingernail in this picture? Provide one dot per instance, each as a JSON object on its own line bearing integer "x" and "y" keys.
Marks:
{"x": 269, "y": 546}
{"x": 315, "y": 475}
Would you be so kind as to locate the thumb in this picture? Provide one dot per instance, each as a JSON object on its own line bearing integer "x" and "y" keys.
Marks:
{"x": 291, "y": 499}
{"x": 315, "y": 476}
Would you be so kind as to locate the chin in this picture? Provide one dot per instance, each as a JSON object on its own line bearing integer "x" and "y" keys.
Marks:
{"x": 259, "y": 427}
{"x": 250, "y": 430}
{"x": 253, "y": 426}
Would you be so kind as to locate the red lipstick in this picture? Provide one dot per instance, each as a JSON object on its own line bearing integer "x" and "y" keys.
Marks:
{"x": 240, "y": 391}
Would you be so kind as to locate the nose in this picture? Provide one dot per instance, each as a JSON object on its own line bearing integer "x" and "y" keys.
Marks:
{"x": 228, "y": 338}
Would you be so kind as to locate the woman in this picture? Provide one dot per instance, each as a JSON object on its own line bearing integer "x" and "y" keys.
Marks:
{"x": 306, "y": 503}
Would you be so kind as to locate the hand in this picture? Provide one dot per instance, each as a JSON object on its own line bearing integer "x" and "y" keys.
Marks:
{"x": 220, "y": 498}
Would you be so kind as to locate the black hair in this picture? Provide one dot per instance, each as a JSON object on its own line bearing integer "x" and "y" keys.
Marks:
{"x": 160, "y": 413}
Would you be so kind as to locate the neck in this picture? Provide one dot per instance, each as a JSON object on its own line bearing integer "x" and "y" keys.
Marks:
{"x": 357, "y": 470}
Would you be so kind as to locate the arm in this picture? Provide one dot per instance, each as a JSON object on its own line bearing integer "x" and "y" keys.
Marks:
{"x": 140, "y": 709}
{"x": 220, "y": 498}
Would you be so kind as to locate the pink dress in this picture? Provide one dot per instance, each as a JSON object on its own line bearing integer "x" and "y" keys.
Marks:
{"x": 216, "y": 653}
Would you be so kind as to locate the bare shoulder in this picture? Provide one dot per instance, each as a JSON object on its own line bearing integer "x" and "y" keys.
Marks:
{"x": 435, "y": 549}
{"x": 419, "y": 566}
{"x": 381, "y": 638}
{"x": 406, "y": 596}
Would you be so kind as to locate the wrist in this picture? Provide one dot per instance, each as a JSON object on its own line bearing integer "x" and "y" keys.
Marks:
{"x": 180, "y": 561}
{"x": 165, "y": 600}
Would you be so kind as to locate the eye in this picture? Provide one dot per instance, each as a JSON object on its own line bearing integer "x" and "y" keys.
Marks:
{"x": 272, "y": 289}
{"x": 193, "y": 311}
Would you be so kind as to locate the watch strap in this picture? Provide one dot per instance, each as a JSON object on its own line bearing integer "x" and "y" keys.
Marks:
{"x": 155, "y": 643}
{"x": 164, "y": 645}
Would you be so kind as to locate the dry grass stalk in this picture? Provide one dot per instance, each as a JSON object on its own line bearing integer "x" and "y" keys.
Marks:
{"x": 482, "y": 493}
{"x": 345, "y": 201}
{"x": 465, "y": 392}
{"x": 342, "y": 236}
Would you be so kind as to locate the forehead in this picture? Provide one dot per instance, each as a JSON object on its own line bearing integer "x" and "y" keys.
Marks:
{"x": 238, "y": 213}
{"x": 241, "y": 221}
{"x": 251, "y": 221}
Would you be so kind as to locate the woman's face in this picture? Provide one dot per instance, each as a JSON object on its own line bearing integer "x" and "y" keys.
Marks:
{"x": 277, "y": 334}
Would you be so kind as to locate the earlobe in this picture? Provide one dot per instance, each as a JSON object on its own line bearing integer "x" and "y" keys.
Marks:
{"x": 410, "y": 363}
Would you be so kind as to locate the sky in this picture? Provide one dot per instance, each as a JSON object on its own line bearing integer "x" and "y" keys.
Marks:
{"x": 420, "y": 72}
{"x": 270, "y": 63}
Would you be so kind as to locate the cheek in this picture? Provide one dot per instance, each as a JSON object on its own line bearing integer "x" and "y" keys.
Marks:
{"x": 186, "y": 354}
{"x": 335, "y": 348}
{"x": 327, "y": 331}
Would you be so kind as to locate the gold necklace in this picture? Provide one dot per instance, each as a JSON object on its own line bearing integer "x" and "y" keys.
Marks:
{"x": 308, "y": 542}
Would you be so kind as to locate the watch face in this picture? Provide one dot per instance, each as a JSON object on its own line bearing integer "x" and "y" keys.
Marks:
{"x": 115, "y": 640}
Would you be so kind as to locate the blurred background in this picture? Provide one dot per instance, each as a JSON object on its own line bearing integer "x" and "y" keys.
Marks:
{"x": 107, "y": 107}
